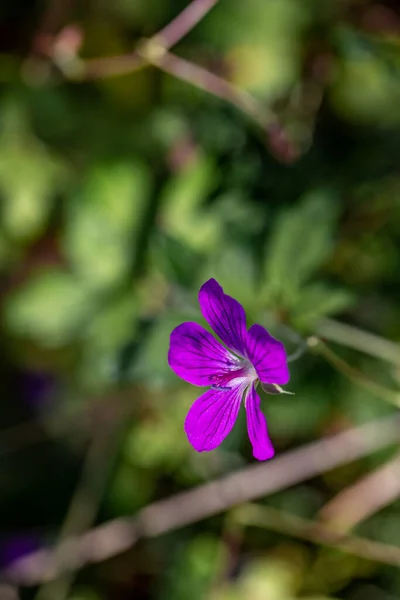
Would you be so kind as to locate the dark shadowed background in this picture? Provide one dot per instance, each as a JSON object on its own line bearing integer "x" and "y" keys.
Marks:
{"x": 144, "y": 150}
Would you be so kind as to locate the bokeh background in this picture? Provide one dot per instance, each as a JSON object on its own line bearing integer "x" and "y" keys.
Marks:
{"x": 124, "y": 186}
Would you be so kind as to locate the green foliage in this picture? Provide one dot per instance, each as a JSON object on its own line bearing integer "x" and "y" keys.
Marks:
{"x": 300, "y": 245}
{"x": 183, "y": 214}
{"x": 319, "y": 300}
{"x": 157, "y": 441}
{"x": 103, "y": 220}
{"x": 30, "y": 177}
{"x": 51, "y": 307}
{"x": 84, "y": 593}
{"x": 194, "y": 570}
{"x": 372, "y": 66}
{"x": 119, "y": 197}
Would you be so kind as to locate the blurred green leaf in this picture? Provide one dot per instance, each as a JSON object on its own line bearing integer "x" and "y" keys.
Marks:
{"x": 268, "y": 578}
{"x": 159, "y": 441}
{"x": 84, "y": 593}
{"x": 30, "y": 177}
{"x": 261, "y": 41}
{"x": 50, "y": 307}
{"x": 151, "y": 363}
{"x": 114, "y": 323}
{"x": 239, "y": 214}
{"x": 294, "y": 418}
{"x": 103, "y": 222}
{"x": 232, "y": 266}
{"x": 195, "y": 567}
{"x": 175, "y": 259}
{"x": 317, "y": 598}
{"x": 5, "y": 250}
{"x": 332, "y": 570}
{"x": 316, "y": 301}
{"x": 371, "y": 65}
{"x": 183, "y": 212}
{"x": 129, "y": 489}
{"x": 108, "y": 330}
{"x": 300, "y": 242}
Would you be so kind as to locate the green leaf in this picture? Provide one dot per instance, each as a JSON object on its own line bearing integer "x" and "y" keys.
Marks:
{"x": 193, "y": 571}
{"x": 151, "y": 362}
{"x": 129, "y": 489}
{"x": 239, "y": 214}
{"x": 30, "y": 176}
{"x": 300, "y": 243}
{"x": 84, "y": 593}
{"x": 232, "y": 266}
{"x": 268, "y": 578}
{"x": 317, "y": 301}
{"x": 183, "y": 214}
{"x": 371, "y": 64}
{"x": 5, "y": 250}
{"x": 310, "y": 410}
{"x": 51, "y": 308}
{"x": 103, "y": 221}
{"x": 176, "y": 260}
{"x": 108, "y": 331}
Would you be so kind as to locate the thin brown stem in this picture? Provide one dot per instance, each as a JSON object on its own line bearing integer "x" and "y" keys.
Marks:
{"x": 55, "y": 15}
{"x": 318, "y": 533}
{"x": 363, "y": 341}
{"x": 219, "y": 87}
{"x": 85, "y": 502}
{"x": 365, "y": 497}
{"x": 112, "y": 66}
{"x": 203, "y": 79}
{"x": 248, "y": 484}
{"x": 154, "y": 53}
{"x": 387, "y": 394}
{"x": 184, "y": 22}
{"x": 167, "y": 37}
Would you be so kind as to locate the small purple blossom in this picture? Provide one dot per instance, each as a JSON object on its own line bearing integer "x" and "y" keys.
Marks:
{"x": 252, "y": 356}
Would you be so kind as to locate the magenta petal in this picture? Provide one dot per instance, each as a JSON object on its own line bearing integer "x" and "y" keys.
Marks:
{"x": 257, "y": 427}
{"x": 267, "y": 355}
{"x": 197, "y": 357}
{"x": 224, "y": 314}
{"x": 212, "y": 417}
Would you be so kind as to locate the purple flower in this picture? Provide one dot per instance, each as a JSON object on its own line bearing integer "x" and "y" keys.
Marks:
{"x": 252, "y": 356}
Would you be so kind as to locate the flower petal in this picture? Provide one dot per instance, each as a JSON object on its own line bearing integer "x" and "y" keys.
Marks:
{"x": 197, "y": 357}
{"x": 267, "y": 355}
{"x": 224, "y": 314}
{"x": 257, "y": 427}
{"x": 212, "y": 417}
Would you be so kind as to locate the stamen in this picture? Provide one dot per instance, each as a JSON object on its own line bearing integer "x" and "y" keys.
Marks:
{"x": 274, "y": 388}
{"x": 222, "y": 381}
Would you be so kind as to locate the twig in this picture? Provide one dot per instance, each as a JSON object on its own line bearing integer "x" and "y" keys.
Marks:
{"x": 184, "y": 22}
{"x": 154, "y": 51}
{"x": 250, "y": 483}
{"x": 364, "y": 498}
{"x": 8, "y": 592}
{"x": 297, "y": 339}
{"x": 55, "y": 14}
{"x": 84, "y": 504}
{"x": 387, "y": 394}
{"x": 353, "y": 337}
{"x": 167, "y": 37}
{"x": 312, "y": 531}
{"x": 112, "y": 66}
{"x": 203, "y": 79}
